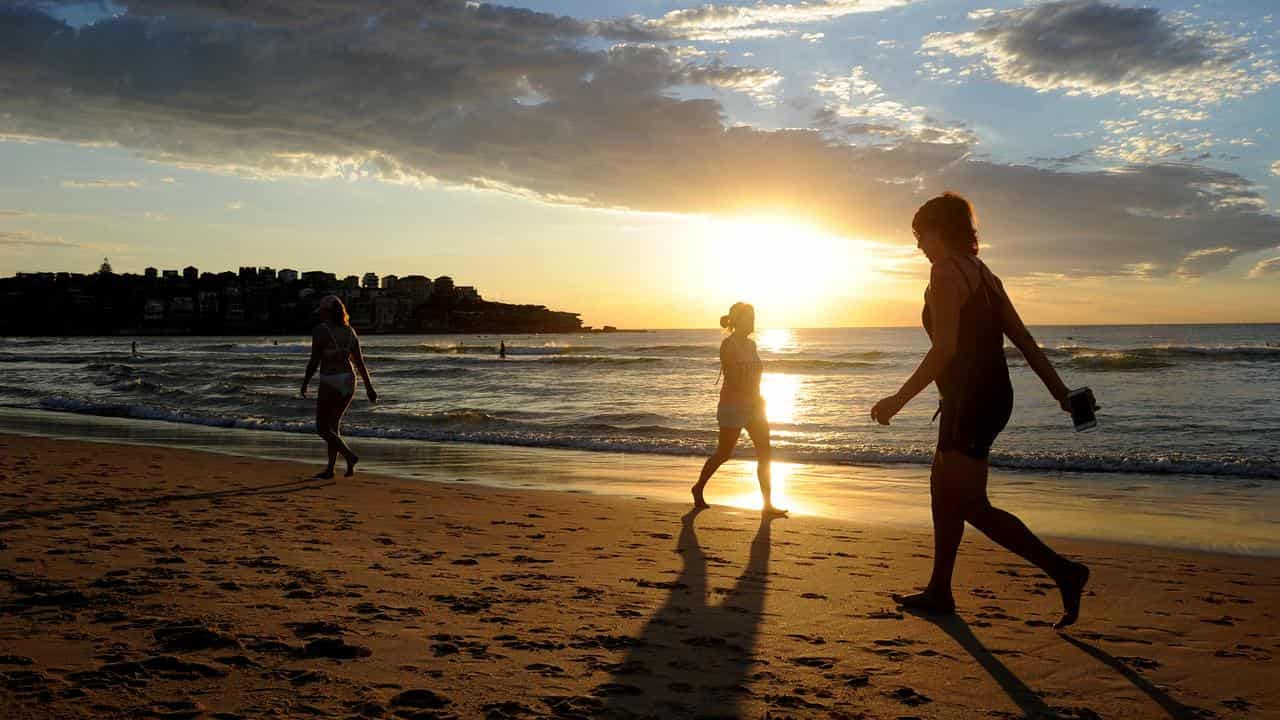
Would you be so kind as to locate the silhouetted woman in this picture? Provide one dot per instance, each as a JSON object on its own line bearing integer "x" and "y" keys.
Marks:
{"x": 741, "y": 405}
{"x": 335, "y": 350}
{"x": 967, "y": 314}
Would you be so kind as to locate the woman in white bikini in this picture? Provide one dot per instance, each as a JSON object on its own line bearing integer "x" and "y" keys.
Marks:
{"x": 741, "y": 405}
{"x": 335, "y": 351}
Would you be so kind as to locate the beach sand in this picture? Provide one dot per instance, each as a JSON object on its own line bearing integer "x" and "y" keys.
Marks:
{"x": 155, "y": 582}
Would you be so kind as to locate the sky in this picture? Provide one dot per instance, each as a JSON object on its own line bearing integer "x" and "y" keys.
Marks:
{"x": 647, "y": 163}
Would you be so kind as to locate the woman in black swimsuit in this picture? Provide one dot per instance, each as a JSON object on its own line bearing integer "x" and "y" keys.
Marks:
{"x": 335, "y": 351}
{"x": 967, "y": 314}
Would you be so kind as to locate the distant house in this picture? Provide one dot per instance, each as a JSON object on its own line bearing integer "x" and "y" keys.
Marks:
{"x": 390, "y": 283}
{"x": 444, "y": 288}
{"x": 153, "y": 311}
{"x": 417, "y": 287}
{"x": 190, "y": 274}
{"x": 287, "y": 276}
{"x": 466, "y": 294}
{"x": 384, "y": 313}
{"x": 319, "y": 277}
{"x": 182, "y": 310}
{"x": 208, "y": 304}
{"x": 370, "y": 281}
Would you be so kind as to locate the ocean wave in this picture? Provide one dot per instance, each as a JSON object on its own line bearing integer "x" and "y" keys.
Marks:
{"x": 600, "y": 360}
{"x": 487, "y": 349}
{"x": 800, "y": 366}
{"x": 1103, "y": 359}
{"x": 479, "y": 426}
{"x": 702, "y": 350}
{"x": 864, "y": 355}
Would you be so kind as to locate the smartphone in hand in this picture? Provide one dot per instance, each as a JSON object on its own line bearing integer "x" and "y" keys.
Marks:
{"x": 1082, "y": 409}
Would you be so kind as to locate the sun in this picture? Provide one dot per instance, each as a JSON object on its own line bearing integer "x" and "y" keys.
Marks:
{"x": 788, "y": 269}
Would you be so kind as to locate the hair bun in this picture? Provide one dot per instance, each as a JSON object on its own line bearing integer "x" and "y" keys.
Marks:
{"x": 724, "y": 321}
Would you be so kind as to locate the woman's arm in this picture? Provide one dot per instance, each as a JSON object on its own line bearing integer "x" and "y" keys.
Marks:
{"x": 357, "y": 356}
{"x": 1021, "y": 338}
{"x": 313, "y": 362}
{"x": 946, "y": 294}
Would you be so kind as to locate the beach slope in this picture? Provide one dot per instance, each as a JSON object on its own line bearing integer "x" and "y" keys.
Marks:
{"x": 152, "y": 582}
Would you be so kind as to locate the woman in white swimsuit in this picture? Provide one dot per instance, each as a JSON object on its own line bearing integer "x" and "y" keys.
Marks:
{"x": 741, "y": 405}
{"x": 335, "y": 351}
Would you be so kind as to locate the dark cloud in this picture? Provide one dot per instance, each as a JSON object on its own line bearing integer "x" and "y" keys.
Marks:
{"x": 1093, "y": 47}
{"x": 533, "y": 104}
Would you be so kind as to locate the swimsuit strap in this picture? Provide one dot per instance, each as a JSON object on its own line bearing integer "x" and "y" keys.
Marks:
{"x": 965, "y": 275}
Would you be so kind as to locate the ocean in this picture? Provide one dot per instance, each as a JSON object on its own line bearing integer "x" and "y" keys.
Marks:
{"x": 1182, "y": 400}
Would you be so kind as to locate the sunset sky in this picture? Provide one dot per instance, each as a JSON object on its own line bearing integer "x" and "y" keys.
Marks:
{"x": 647, "y": 163}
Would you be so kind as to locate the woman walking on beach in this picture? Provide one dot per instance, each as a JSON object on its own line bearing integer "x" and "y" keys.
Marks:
{"x": 741, "y": 405}
{"x": 967, "y": 314}
{"x": 335, "y": 351}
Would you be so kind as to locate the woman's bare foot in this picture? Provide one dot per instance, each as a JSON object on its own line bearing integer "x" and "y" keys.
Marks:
{"x": 698, "y": 501}
{"x": 927, "y": 602}
{"x": 324, "y": 474}
{"x": 773, "y": 512}
{"x": 1072, "y": 588}
{"x": 351, "y": 465}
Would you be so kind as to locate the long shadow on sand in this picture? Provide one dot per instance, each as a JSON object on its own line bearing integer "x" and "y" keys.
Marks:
{"x": 692, "y": 658}
{"x": 114, "y": 504}
{"x": 1020, "y": 693}
{"x": 1174, "y": 708}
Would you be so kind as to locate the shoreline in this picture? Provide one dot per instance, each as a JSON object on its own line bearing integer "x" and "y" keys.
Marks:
{"x": 1208, "y": 515}
{"x": 142, "y": 580}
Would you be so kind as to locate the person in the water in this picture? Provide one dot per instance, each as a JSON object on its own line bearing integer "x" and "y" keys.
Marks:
{"x": 967, "y": 315}
{"x": 335, "y": 351}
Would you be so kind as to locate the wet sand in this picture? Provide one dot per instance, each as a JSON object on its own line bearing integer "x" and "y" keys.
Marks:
{"x": 156, "y": 582}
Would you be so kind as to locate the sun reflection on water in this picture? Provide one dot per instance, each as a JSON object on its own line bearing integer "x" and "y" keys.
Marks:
{"x": 776, "y": 340}
{"x": 780, "y": 392}
{"x": 747, "y": 495}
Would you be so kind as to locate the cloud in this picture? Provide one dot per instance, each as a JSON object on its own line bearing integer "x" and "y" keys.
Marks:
{"x": 13, "y": 213}
{"x": 731, "y": 22}
{"x": 1206, "y": 260}
{"x": 1266, "y": 268}
{"x": 102, "y": 184}
{"x": 514, "y": 101}
{"x": 1091, "y": 47}
{"x": 1275, "y": 168}
{"x": 28, "y": 238}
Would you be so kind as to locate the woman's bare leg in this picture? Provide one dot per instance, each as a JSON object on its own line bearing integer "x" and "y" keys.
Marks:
{"x": 948, "y": 531}
{"x": 724, "y": 451}
{"x": 759, "y": 432}
{"x": 959, "y": 491}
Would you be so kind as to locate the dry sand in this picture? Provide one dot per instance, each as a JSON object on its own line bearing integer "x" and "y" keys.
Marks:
{"x": 147, "y": 582}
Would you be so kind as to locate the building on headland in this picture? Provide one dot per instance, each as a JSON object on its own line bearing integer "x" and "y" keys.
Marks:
{"x": 254, "y": 300}
{"x": 417, "y": 287}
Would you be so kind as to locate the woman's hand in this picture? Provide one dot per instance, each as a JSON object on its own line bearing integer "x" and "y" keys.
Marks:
{"x": 373, "y": 394}
{"x": 883, "y": 411}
